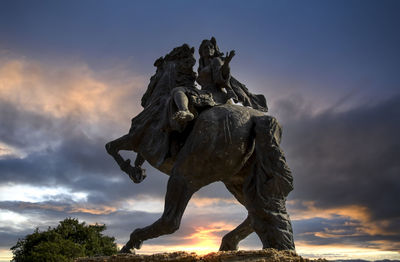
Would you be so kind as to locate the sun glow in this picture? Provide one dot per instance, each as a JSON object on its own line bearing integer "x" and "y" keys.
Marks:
{"x": 5, "y": 255}
{"x": 203, "y": 241}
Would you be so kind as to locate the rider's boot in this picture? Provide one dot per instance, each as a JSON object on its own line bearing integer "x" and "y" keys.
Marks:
{"x": 183, "y": 116}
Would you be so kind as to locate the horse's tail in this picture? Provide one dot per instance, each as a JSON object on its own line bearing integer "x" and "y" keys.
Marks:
{"x": 268, "y": 185}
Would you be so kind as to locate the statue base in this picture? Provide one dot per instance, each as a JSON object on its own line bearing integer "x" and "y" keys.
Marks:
{"x": 265, "y": 255}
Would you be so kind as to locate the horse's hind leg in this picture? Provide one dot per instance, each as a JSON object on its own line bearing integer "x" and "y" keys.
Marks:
{"x": 136, "y": 173}
{"x": 267, "y": 187}
{"x": 177, "y": 197}
{"x": 231, "y": 240}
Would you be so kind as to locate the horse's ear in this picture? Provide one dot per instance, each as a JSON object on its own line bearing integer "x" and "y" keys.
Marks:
{"x": 159, "y": 61}
{"x": 192, "y": 50}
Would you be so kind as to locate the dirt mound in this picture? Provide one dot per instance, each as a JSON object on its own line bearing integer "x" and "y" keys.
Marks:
{"x": 265, "y": 255}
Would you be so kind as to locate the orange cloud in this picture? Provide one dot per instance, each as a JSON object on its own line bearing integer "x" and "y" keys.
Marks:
{"x": 6, "y": 150}
{"x": 209, "y": 201}
{"x": 360, "y": 216}
{"x": 71, "y": 90}
{"x": 386, "y": 245}
{"x": 205, "y": 238}
{"x": 208, "y": 232}
{"x": 97, "y": 210}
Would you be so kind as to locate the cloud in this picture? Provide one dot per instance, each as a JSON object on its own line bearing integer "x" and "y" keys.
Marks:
{"x": 72, "y": 90}
{"x": 347, "y": 157}
{"x": 346, "y": 174}
{"x": 55, "y": 121}
{"x": 42, "y": 105}
{"x": 352, "y": 225}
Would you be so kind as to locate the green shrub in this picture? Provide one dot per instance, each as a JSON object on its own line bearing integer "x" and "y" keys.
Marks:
{"x": 69, "y": 240}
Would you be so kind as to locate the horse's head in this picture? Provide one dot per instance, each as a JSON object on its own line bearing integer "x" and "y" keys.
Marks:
{"x": 182, "y": 59}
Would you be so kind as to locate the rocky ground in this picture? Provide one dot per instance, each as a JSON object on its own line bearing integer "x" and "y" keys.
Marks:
{"x": 266, "y": 255}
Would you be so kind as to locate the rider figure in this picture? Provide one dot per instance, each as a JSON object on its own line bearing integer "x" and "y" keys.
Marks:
{"x": 214, "y": 72}
{"x": 213, "y": 77}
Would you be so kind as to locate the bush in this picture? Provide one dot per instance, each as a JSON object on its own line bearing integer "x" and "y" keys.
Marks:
{"x": 69, "y": 240}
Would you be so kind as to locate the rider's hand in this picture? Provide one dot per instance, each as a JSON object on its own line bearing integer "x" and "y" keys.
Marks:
{"x": 230, "y": 56}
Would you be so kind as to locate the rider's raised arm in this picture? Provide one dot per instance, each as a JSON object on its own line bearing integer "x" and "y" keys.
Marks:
{"x": 218, "y": 77}
{"x": 222, "y": 76}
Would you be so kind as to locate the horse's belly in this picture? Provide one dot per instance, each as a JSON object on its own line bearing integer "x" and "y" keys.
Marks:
{"x": 218, "y": 146}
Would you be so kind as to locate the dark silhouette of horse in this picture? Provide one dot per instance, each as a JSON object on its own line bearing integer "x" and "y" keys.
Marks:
{"x": 230, "y": 143}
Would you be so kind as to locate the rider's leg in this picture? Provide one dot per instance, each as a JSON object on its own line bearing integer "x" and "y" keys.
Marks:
{"x": 182, "y": 103}
{"x": 177, "y": 197}
{"x": 180, "y": 99}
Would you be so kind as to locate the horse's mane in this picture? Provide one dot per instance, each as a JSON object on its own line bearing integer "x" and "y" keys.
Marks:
{"x": 177, "y": 67}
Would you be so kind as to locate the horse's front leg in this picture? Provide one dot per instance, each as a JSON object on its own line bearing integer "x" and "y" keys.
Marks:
{"x": 177, "y": 197}
{"x": 136, "y": 173}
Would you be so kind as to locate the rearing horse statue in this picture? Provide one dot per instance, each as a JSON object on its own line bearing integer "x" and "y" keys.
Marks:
{"x": 234, "y": 144}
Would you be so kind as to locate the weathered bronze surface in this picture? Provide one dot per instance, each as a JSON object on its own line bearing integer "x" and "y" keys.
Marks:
{"x": 198, "y": 136}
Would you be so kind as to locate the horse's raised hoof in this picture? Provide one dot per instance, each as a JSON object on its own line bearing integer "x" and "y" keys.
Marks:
{"x": 108, "y": 148}
{"x": 135, "y": 173}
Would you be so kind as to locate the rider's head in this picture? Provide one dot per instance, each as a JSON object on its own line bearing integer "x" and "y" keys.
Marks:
{"x": 209, "y": 48}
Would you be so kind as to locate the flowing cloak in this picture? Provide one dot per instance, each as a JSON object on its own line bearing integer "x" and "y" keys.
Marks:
{"x": 211, "y": 77}
{"x": 246, "y": 98}
{"x": 152, "y": 128}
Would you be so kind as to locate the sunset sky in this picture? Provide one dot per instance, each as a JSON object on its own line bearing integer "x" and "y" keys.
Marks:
{"x": 72, "y": 74}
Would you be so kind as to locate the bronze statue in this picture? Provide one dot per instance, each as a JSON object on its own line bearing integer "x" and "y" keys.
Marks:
{"x": 198, "y": 136}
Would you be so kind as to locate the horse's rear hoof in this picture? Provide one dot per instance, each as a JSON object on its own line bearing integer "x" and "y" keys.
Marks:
{"x": 138, "y": 244}
{"x": 229, "y": 242}
{"x": 126, "y": 250}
